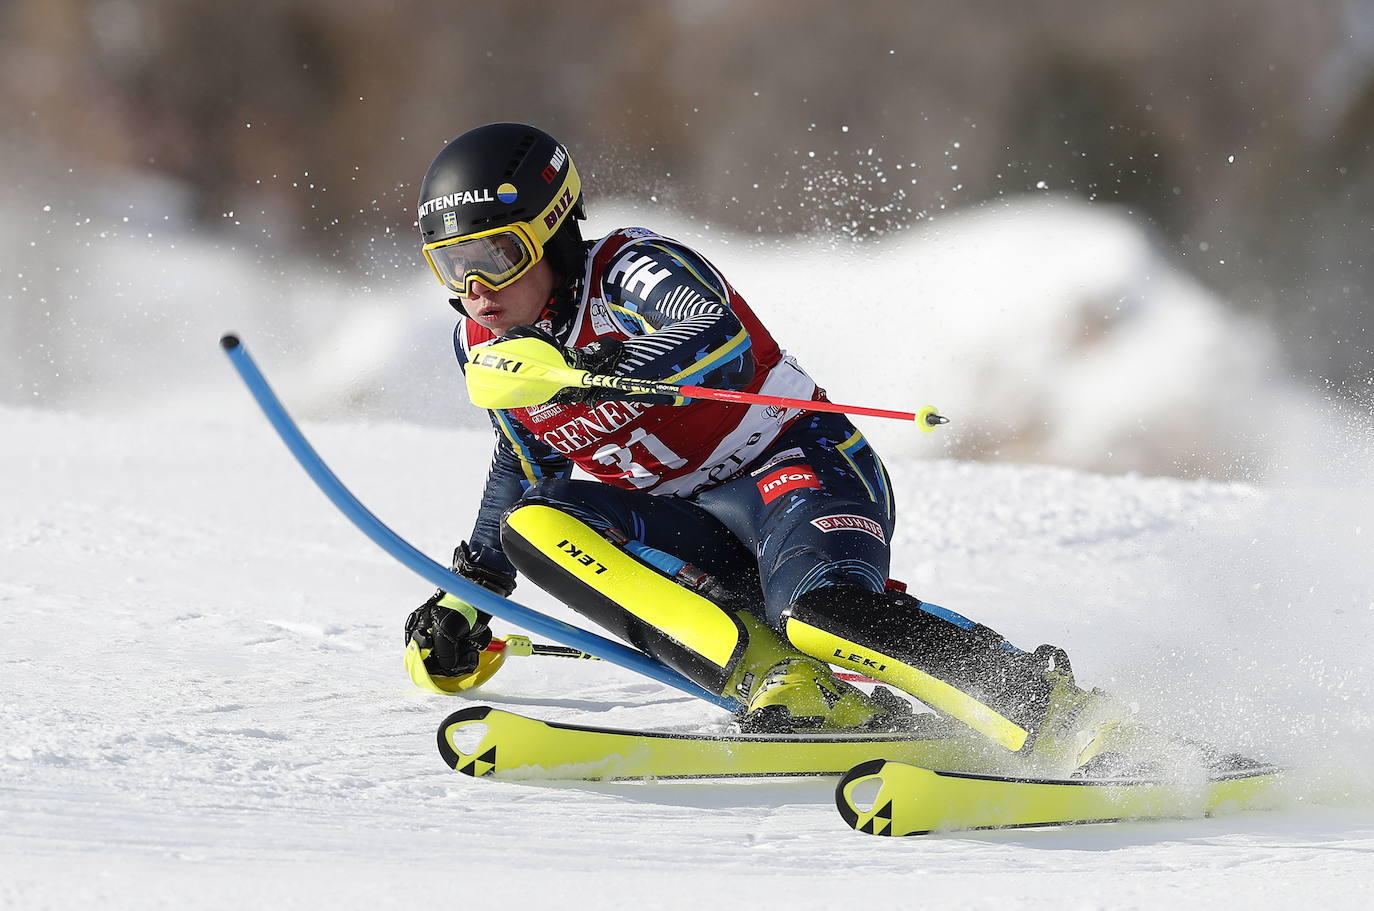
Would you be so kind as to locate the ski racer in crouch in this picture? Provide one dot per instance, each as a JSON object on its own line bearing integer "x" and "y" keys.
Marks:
{"x": 747, "y": 547}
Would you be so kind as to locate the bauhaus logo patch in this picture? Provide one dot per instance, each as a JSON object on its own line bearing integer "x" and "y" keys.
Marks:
{"x": 850, "y": 523}
{"x": 794, "y": 477}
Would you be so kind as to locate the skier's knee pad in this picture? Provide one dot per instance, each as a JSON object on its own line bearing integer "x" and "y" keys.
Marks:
{"x": 962, "y": 669}
{"x": 587, "y": 571}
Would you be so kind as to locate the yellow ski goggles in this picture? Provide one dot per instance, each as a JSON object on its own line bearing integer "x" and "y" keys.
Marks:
{"x": 500, "y": 256}
{"x": 496, "y": 258}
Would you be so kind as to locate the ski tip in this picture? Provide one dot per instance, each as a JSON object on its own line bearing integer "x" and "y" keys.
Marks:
{"x": 449, "y": 751}
{"x": 857, "y": 816}
{"x": 229, "y": 341}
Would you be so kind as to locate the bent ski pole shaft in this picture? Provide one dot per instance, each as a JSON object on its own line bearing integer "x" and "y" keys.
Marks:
{"x": 520, "y": 646}
{"x": 422, "y": 565}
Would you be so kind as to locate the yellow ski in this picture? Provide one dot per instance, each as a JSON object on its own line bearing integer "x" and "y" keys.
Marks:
{"x": 897, "y": 798}
{"x": 487, "y": 742}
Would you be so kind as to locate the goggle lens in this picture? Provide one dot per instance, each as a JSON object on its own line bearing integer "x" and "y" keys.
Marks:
{"x": 495, "y": 259}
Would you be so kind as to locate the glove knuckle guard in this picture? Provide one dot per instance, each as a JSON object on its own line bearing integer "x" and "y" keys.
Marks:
{"x": 455, "y": 632}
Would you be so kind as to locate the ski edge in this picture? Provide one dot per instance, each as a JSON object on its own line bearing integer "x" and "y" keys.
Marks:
{"x": 628, "y": 746}
{"x": 880, "y": 819}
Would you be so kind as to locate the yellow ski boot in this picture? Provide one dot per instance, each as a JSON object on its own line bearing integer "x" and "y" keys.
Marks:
{"x": 1080, "y": 725}
{"x": 1089, "y": 734}
{"x": 802, "y": 695}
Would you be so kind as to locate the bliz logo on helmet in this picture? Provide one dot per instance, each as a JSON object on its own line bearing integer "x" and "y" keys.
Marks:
{"x": 785, "y": 480}
{"x": 558, "y": 209}
{"x": 453, "y": 200}
{"x": 849, "y": 522}
{"x": 550, "y": 172}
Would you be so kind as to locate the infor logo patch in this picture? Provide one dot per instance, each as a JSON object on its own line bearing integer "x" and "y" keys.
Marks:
{"x": 783, "y": 480}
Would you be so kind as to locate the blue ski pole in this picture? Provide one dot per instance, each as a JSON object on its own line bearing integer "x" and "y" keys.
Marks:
{"x": 412, "y": 558}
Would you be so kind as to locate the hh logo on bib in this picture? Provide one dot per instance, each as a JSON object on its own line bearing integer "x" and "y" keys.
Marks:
{"x": 783, "y": 480}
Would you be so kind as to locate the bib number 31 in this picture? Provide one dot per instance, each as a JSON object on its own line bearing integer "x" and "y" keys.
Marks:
{"x": 632, "y": 465}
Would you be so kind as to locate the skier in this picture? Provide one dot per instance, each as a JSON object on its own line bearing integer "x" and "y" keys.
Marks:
{"x": 747, "y": 547}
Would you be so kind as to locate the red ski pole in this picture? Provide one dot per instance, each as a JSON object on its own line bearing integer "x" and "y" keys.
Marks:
{"x": 927, "y": 418}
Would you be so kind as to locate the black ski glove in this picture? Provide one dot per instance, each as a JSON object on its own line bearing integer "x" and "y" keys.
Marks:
{"x": 455, "y": 632}
{"x": 599, "y": 356}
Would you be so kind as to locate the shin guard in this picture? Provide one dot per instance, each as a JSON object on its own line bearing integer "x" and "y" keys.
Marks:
{"x": 968, "y": 672}
{"x": 723, "y": 649}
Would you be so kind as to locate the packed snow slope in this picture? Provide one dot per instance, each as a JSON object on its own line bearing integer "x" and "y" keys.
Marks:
{"x": 204, "y": 704}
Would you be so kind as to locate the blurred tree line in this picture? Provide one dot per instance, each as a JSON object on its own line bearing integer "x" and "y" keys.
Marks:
{"x": 1240, "y": 128}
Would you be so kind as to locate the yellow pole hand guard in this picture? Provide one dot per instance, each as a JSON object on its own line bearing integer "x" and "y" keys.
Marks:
{"x": 524, "y": 372}
{"x": 488, "y": 663}
{"x": 520, "y": 373}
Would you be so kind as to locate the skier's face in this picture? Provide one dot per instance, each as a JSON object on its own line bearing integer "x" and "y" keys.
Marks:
{"x": 517, "y": 304}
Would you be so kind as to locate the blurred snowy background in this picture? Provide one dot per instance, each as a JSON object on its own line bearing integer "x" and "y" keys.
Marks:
{"x": 1112, "y": 241}
{"x": 1120, "y": 239}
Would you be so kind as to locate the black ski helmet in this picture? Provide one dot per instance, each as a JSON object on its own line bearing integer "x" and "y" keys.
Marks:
{"x": 495, "y": 201}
